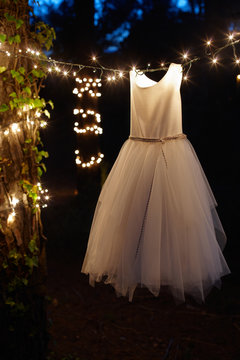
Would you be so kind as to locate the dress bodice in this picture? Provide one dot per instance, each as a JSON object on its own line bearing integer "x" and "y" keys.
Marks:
{"x": 156, "y": 110}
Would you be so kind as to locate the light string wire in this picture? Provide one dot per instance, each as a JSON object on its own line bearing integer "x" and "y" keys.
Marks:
{"x": 210, "y": 52}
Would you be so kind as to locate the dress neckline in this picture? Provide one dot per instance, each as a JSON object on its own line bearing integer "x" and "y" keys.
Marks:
{"x": 155, "y": 82}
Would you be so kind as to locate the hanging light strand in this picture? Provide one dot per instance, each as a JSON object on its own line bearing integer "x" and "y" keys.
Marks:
{"x": 67, "y": 68}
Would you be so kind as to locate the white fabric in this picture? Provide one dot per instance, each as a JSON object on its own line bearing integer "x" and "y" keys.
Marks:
{"x": 155, "y": 223}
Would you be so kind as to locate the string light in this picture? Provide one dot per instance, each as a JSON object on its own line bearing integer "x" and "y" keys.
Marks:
{"x": 55, "y": 66}
{"x": 214, "y": 60}
{"x": 11, "y": 217}
{"x": 93, "y": 160}
{"x": 89, "y": 86}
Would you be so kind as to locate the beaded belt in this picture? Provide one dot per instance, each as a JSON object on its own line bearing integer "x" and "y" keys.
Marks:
{"x": 161, "y": 140}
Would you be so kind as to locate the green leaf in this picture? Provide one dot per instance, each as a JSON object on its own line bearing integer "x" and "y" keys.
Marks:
{"x": 17, "y": 39}
{"x": 9, "y": 17}
{"x": 14, "y": 73}
{"x": 31, "y": 261}
{"x": 10, "y": 302}
{"x": 51, "y": 104}
{"x": 27, "y": 90}
{"x": 4, "y": 108}
{"x": 12, "y": 105}
{"x": 19, "y": 23}
{"x": 2, "y": 37}
{"x": 28, "y": 141}
{"x": 13, "y": 94}
{"x": 11, "y": 40}
{"x": 21, "y": 70}
{"x": 33, "y": 246}
{"x": 5, "y": 264}
{"x": 43, "y": 166}
{"x": 14, "y": 39}
{"x": 25, "y": 281}
{"x": 39, "y": 170}
{"x": 46, "y": 112}
{"x": 44, "y": 153}
{"x": 38, "y": 73}
{"x": 38, "y": 103}
{"x": 20, "y": 79}
{"x": 2, "y": 69}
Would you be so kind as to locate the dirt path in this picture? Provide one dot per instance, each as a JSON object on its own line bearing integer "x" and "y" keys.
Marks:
{"x": 92, "y": 323}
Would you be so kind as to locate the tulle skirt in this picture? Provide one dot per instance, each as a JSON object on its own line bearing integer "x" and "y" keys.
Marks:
{"x": 155, "y": 224}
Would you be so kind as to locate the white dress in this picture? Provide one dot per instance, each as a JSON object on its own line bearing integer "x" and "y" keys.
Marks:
{"x": 155, "y": 222}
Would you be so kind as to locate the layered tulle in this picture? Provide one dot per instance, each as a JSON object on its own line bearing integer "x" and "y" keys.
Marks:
{"x": 156, "y": 225}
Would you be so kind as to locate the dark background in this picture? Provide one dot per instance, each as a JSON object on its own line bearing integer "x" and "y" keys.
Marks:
{"x": 210, "y": 98}
{"x": 92, "y": 323}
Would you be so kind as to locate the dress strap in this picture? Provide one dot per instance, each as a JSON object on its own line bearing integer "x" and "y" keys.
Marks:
{"x": 161, "y": 140}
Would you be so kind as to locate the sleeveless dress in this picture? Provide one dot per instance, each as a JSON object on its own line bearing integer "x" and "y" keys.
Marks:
{"x": 155, "y": 222}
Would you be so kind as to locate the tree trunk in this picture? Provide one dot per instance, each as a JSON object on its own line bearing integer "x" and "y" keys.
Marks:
{"x": 22, "y": 245}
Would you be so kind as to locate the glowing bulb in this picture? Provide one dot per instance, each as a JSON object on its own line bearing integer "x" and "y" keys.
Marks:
{"x": 50, "y": 69}
{"x": 65, "y": 73}
{"x": 94, "y": 58}
{"x": 113, "y": 78}
{"x": 162, "y": 64}
{"x": 237, "y": 61}
{"x": 15, "y": 127}
{"x": 109, "y": 78}
{"x": 11, "y": 217}
{"x": 209, "y": 42}
{"x": 75, "y": 111}
{"x": 134, "y": 68}
{"x": 43, "y": 124}
{"x": 230, "y": 36}
{"x": 37, "y": 53}
{"x": 238, "y": 76}
{"x": 6, "y": 132}
{"x": 120, "y": 75}
{"x": 185, "y": 77}
{"x": 185, "y": 56}
{"x": 35, "y": 66}
{"x": 14, "y": 201}
{"x": 214, "y": 60}
{"x": 76, "y": 152}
